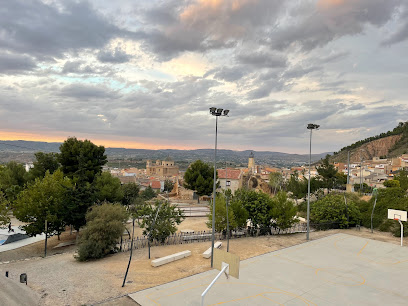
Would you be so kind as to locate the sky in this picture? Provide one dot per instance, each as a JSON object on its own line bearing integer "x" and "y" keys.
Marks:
{"x": 144, "y": 73}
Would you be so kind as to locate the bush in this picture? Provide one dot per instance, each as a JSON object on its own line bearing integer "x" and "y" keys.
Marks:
{"x": 221, "y": 215}
{"x": 105, "y": 225}
{"x": 283, "y": 211}
{"x": 388, "y": 198}
{"x": 332, "y": 208}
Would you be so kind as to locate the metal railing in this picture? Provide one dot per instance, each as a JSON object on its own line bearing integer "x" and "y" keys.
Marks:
{"x": 202, "y": 236}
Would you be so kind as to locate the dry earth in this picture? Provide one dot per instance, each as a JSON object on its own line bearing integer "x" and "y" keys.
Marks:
{"x": 61, "y": 280}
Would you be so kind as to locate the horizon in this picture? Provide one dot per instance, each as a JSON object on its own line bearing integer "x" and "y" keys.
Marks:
{"x": 127, "y": 148}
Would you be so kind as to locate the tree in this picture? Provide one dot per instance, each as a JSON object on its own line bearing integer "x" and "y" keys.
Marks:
{"x": 328, "y": 172}
{"x": 283, "y": 211}
{"x": 80, "y": 197}
{"x": 259, "y": 207}
{"x": 4, "y": 218}
{"x": 333, "y": 209}
{"x": 199, "y": 177}
{"x": 43, "y": 200}
{"x": 297, "y": 187}
{"x": 388, "y": 198}
{"x": 241, "y": 215}
{"x": 165, "y": 224}
{"x": 44, "y": 162}
{"x": 392, "y": 183}
{"x": 130, "y": 193}
{"x": 340, "y": 180}
{"x": 275, "y": 180}
{"x": 81, "y": 158}
{"x": 148, "y": 193}
{"x": 221, "y": 214}
{"x": 365, "y": 189}
{"x": 13, "y": 178}
{"x": 168, "y": 185}
{"x": 105, "y": 225}
{"x": 108, "y": 188}
{"x": 402, "y": 177}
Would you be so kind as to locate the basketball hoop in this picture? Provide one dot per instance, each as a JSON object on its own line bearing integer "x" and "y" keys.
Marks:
{"x": 398, "y": 215}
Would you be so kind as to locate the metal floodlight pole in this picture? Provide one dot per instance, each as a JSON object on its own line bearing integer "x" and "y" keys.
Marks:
{"x": 214, "y": 193}
{"x": 217, "y": 113}
{"x": 226, "y": 204}
{"x": 310, "y": 127}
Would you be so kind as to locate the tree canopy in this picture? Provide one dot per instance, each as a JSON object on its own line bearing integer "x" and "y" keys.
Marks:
{"x": 105, "y": 225}
{"x": 13, "y": 178}
{"x": 333, "y": 208}
{"x": 221, "y": 214}
{"x": 275, "y": 181}
{"x": 168, "y": 216}
{"x": 81, "y": 158}
{"x": 130, "y": 193}
{"x": 108, "y": 188}
{"x": 4, "y": 218}
{"x": 328, "y": 172}
{"x": 43, "y": 200}
{"x": 168, "y": 185}
{"x": 199, "y": 177}
{"x": 44, "y": 162}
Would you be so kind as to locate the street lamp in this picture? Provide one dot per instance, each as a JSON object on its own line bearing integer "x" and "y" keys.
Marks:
{"x": 217, "y": 112}
{"x": 311, "y": 127}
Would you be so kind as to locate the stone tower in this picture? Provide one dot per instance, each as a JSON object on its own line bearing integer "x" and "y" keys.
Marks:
{"x": 251, "y": 162}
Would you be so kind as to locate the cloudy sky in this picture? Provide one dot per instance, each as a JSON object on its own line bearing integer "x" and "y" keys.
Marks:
{"x": 143, "y": 73}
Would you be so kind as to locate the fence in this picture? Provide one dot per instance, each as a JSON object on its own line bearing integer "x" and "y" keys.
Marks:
{"x": 201, "y": 236}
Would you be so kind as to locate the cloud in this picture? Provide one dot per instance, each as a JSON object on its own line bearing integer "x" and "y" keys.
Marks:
{"x": 204, "y": 25}
{"x": 262, "y": 59}
{"x": 116, "y": 56}
{"x": 48, "y": 31}
{"x": 16, "y": 64}
{"x": 331, "y": 20}
{"x": 229, "y": 74}
{"x": 401, "y": 34}
{"x": 88, "y": 92}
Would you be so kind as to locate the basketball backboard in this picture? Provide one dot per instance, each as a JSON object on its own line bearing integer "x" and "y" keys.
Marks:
{"x": 231, "y": 259}
{"x": 395, "y": 214}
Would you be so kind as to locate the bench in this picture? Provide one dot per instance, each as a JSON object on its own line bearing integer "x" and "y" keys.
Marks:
{"x": 207, "y": 254}
{"x": 170, "y": 258}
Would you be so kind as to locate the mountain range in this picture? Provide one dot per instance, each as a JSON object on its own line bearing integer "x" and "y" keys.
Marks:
{"x": 23, "y": 151}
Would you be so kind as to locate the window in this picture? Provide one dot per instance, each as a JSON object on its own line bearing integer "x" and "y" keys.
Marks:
{"x": 228, "y": 183}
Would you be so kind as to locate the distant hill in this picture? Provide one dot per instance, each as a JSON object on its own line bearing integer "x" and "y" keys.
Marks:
{"x": 386, "y": 145}
{"x": 23, "y": 151}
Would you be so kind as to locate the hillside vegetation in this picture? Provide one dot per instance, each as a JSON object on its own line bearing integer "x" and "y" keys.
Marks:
{"x": 386, "y": 145}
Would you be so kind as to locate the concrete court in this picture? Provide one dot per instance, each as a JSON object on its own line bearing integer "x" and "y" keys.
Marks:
{"x": 336, "y": 270}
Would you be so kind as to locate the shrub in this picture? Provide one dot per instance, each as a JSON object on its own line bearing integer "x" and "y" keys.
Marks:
{"x": 332, "y": 208}
{"x": 105, "y": 225}
{"x": 388, "y": 198}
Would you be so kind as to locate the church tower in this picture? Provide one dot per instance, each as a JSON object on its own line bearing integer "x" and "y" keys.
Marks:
{"x": 251, "y": 162}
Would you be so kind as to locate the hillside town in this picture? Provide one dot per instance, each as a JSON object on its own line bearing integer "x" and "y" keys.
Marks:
{"x": 373, "y": 173}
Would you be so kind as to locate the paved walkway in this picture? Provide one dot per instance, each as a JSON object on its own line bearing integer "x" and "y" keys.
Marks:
{"x": 336, "y": 270}
{"x": 4, "y": 233}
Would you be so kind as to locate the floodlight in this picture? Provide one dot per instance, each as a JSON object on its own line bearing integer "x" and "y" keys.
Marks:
{"x": 219, "y": 111}
{"x": 312, "y": 126}
{"x": 226, "y": 111}
{"x": 212, "y": 110}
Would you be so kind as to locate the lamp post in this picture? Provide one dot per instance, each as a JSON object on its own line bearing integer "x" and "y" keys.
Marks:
{"x": 311, "y": 127}
{"x": 227, "y": 184}
{"x": 217, "y": 112}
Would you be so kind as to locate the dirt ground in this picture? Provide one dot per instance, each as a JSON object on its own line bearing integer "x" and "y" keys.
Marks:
{"x": 61, "y": 280}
